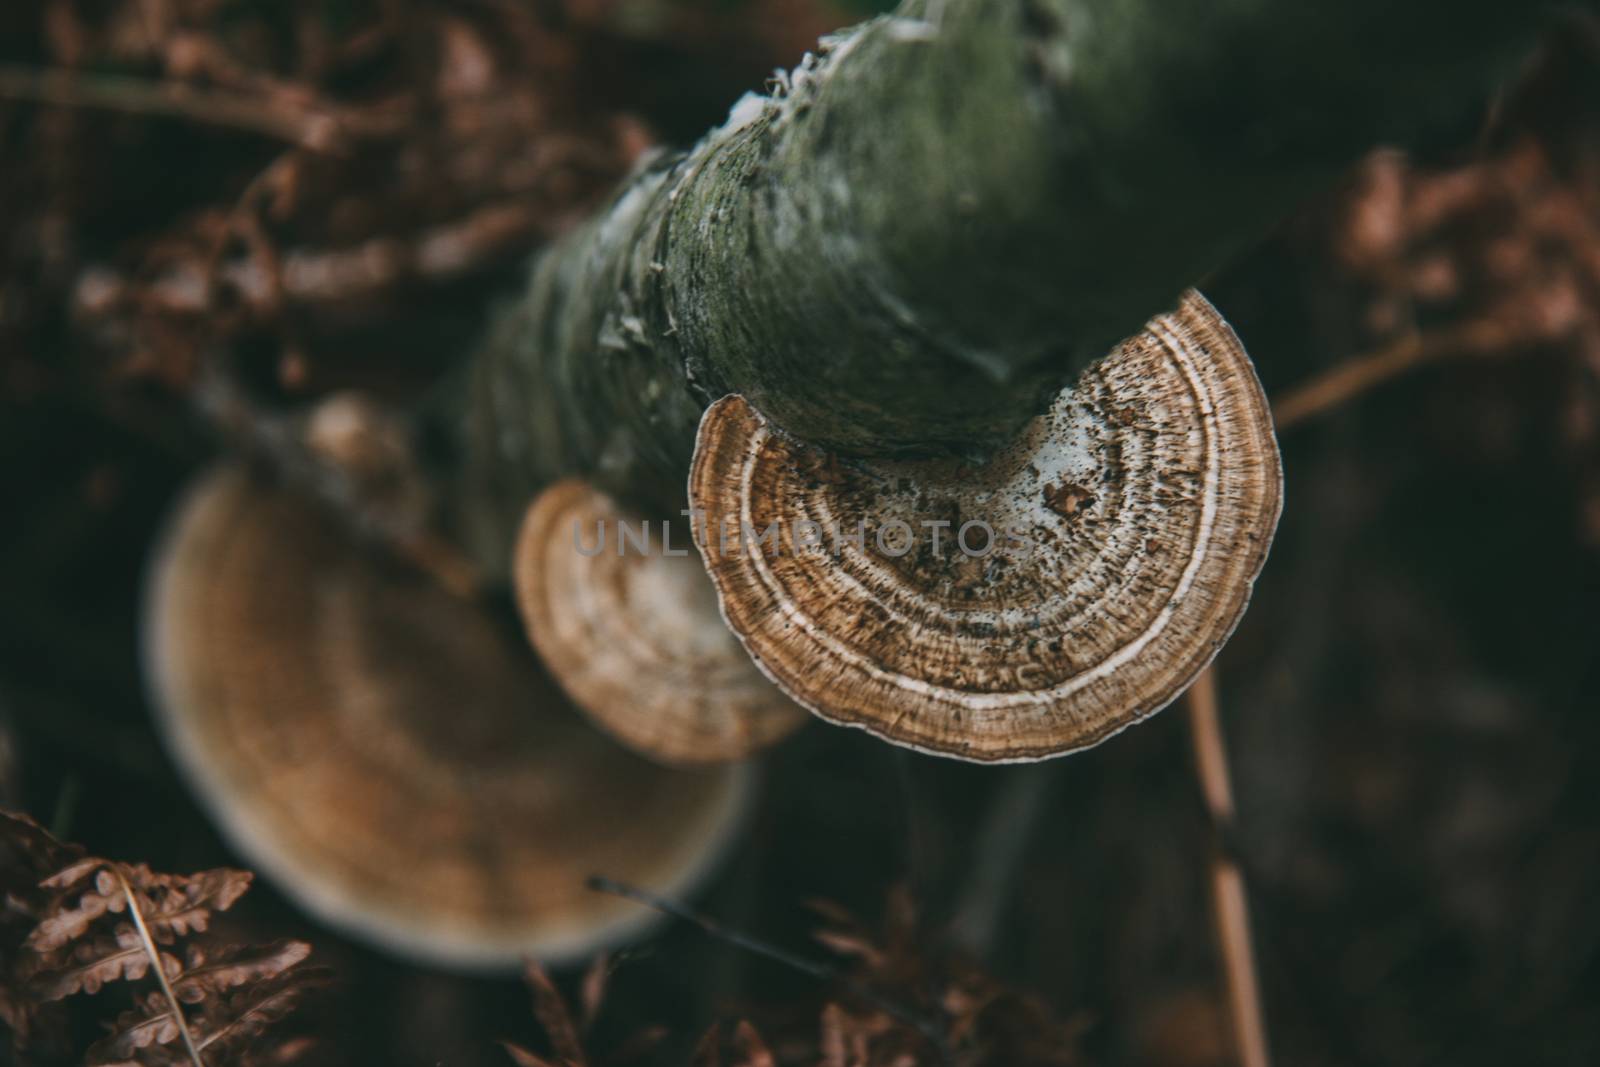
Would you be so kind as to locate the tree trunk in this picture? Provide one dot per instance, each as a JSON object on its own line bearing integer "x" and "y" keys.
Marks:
{"x": 933, "y": 224}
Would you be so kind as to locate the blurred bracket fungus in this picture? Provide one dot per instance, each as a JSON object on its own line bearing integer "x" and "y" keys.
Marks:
{"x": 1028, "y": 606}
{"x": 629, "y": 626}
{"x": 357, "y": 457}
{"x": 382, "y": 751}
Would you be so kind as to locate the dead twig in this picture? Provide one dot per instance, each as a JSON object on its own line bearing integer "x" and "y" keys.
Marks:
{"x": 1496, "y": 331}
{"x": 160, "y": 972}
{"x": 1348, "y": 380}
{"x": 315, "y": 129}
{"x": 1229, "y": 901}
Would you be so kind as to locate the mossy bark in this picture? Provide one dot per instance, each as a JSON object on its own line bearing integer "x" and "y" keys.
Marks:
{"x": 940, "y": 218}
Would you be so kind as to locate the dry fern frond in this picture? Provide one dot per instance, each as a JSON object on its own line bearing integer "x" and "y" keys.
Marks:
{"x": 64, "y": 922}
{"x": 566, "y": 1032}
{"x": 899, "y": 1001}
{"x": 219, "y": 970}
{"x": 146, "y": 1029}
{"x": 550, "y": 1008}
{"x": 26, "y": 851}
{"x": 555, "y": 1017}
{"x": 77, "y": 924}
{"x": 523, "y": 1058}
{"x": 250, "y": 1010}
{"x": 751, "y": 1048}
{"x": 89, "y": 964}
{"x": 172, "y": 905}
{"x": 984, "y": 1023}
{"x": 26, "y": 847}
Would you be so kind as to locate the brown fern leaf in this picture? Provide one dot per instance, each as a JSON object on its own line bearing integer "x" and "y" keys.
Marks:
{"x": 750, "y": 1048}
{"x": 566, "y": 1029}
{"x": 65, "y": 923}
{"x": 64, "y": 901}
{"x": 834, "y": 1043}
{"x": 27, "y": 854}
{"x": 592, "y": 991}
{"x": 172, "y": 905}
{"x": 27, "y": 851}
{"x": 149, "y": 1036}
{"x": 524, "y": 1058}
{"x": 979, "y": 1021}
{"x": 550, "y": 1008}
{"x": 138, "y": 1036}
{"x": 89, "y": 964}
{"x": 175, "y": 905}
{"x": 72, "y": 873}
{"x": 210, "y": 972}
{"x": 225, "y": 1021}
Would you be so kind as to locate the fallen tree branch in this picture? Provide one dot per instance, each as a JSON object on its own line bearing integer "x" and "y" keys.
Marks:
{"x": 317, "y": 129}
{"x": 932, "y": 225}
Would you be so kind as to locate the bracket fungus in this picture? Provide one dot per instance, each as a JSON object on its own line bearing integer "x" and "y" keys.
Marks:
{"x": 1031, "y": 605}
{"x": 391, "y": 758}
{"x": 628, "y": 624}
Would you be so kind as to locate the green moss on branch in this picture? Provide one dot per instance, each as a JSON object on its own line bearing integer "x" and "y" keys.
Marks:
{"x": 941, "y": 217}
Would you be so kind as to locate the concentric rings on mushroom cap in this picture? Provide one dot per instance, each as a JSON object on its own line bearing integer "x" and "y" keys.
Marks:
{"x": 631, "y": 631}
{"x": 392, "y": 760}
{"x": 1128, "y": 525}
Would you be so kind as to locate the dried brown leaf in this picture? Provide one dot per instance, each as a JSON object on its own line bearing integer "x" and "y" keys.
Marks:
{"x": 550, "y": 1008}
{"x": 92, "y": 963}
{"x": 152, "y": 1024}
{"x": 523, "y": 1058}
{"x": 27, "y": 851}
{"x": 751, "y": 1049}
{"x": 854, "y": 945}
{"x": 248, "y": 1012}
{"x": 832, "y": 911}
{"x": 187, "y": 903}
{"x": 833, "y": 1040}
{"x": 73, "y": 873}
{"x": 172, "y": 905}
{"x": 592, "y": 992}
{"x": 216, "y": 971}
{"x": 72, "y": 948}
{"x": 65, "y": 922}
{"x": 708, "y": 1051}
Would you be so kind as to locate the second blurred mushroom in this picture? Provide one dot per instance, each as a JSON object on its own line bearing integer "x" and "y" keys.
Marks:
{"x": 385, "y": 753}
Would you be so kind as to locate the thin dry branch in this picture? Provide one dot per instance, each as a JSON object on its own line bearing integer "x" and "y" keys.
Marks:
{"x": 1350, "y": 379}
{"x": 135, "y": 913}
{"x": 314, "y": 129}
{"x": 1230, "y": 904}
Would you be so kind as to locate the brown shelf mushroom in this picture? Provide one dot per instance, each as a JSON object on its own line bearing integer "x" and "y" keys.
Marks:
{"x": 1108, "y": 553}
{"x": 381, "y": 750}
{"x": 627, "y": 622}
